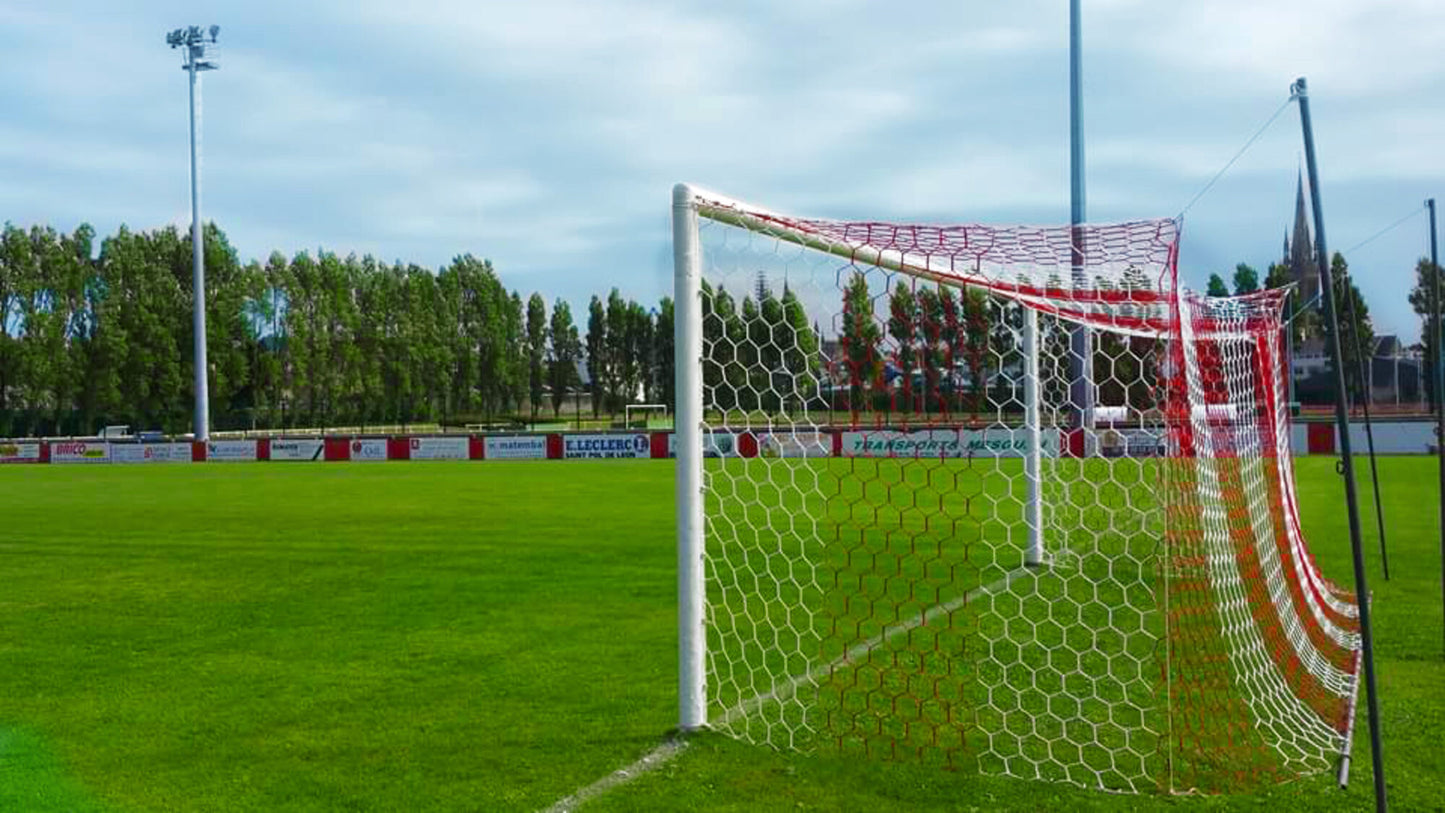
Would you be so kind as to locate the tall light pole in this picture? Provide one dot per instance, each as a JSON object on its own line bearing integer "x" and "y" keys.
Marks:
{"x": 195, "y": 44}
{"x": 1081, "y": 357}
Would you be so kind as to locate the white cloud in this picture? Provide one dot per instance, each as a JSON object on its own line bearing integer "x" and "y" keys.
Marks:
{"x": 546, "y": 134}
{"x": 1226, "y": 46}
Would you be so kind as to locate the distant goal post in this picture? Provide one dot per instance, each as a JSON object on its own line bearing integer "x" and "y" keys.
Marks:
{"x": 931, "y": 559}
{"x": 630, "y": 410}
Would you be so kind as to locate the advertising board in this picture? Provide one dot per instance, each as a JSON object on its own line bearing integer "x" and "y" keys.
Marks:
{"x": 606, "y": 446}
{"x": 714, "y": 444}
{"x": 306, "y": 450}
{"x": 1396, "y": 437}
{"x": 150, "y": 453}
{"x": 950, "y": 443}
{"x": 19, "y": 451}
{"x": 230, "y": 451}
{"x": 368, "y": 450}
{"x": 518, "y": 447}
{"x": 795, "y": 444}
{"x": 80, "y": 451}
{"x": 440, "y": 448}
{"x": 1131, "y": 442}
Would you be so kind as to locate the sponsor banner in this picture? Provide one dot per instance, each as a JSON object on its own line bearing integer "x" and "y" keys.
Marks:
{"x": 304, "y": 450}
{"x": 368, "y": 450}
{"x": 150, "y": 453}
{"x": 714, "y": 444}
{"x": 1131, "y": 442}
{"x": 79, "y": 451}
{"x": 795, "y": 444}
{"x": 1416, "y": 437}
{"x": 925, "y": 443}
{"x": 520, "y": 447}
{"x": 19, "y": 452}
{"x": 445, "y": 448}
{"x": 606, "y": 446}
{"x": 230, "y": 451}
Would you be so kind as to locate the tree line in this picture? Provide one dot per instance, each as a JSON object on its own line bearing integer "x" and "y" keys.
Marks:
{"x": 91, "y": 336}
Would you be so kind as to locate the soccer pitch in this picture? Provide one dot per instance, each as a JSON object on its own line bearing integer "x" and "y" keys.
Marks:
{"x": 482, "y": 636}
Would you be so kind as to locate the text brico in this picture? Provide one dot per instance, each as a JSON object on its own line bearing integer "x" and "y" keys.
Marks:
{"x": 77, "y": 450}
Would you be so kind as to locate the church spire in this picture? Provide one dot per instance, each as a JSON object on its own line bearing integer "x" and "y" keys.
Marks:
{"x": 1303, "y": 268}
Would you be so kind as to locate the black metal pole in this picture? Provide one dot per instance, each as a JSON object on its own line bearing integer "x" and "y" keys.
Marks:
{"x": 1367, "y": 381}
{"x": 1342, "y": 420}
{"x": 1439, "y": 391}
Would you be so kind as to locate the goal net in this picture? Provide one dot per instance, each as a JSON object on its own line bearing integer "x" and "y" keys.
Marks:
{"x": 1004, "y": 499}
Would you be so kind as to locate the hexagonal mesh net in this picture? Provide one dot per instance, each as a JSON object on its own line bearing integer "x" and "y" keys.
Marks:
{"x": 1009, "y": 500}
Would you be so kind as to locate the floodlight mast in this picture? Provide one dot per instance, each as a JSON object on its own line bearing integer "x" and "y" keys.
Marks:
{"x": 1081, "y": 354}
{"x": 196, "y": 43}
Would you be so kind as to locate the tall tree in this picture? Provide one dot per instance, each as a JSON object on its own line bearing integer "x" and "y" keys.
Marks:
{"x": 1246, "y": 279}
{"x": 861, "y": 339}
{"x": 721, "y": 328}
{"x": 1216, "y": 286}
{"x": 800, "y": 348}
{"x": 536, "y": 347}
{"x": 903, "y": 329}
{"x": 619, "y": 356}
{"x": 749, "y": 378}
{"x": 639, "y": 351}
{"x": 597, "y": 362}
{"x": 977, "y": 332}
{"x": 562, "y": 354}
{"x": 1357, "y": 340}
{"x": 1422, "y": 301}
{"x": 516, "y": 353}
{"x": 663, "y": 352}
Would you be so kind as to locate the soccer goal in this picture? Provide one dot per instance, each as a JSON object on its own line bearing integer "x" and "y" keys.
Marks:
{"x": 641, "y": 414}
{"x": 933, "y": 533}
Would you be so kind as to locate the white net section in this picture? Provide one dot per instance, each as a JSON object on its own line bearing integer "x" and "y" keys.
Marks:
{"x": 926, "y": 539}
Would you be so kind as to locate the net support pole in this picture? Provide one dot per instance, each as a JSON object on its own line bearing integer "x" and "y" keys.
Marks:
{"x": 687, "y": 335}
{"x": 1342, "y": 421}
{"x": 1033, "y": 435}
{"x": 1439, "y": 382}
{"x": 1366, "y": 364}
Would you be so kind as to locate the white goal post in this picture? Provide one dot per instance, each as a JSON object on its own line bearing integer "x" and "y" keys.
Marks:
{"x": 894, "y": 541}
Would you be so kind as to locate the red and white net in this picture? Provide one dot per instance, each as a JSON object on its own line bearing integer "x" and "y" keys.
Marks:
{"x": 1006, "y": 498}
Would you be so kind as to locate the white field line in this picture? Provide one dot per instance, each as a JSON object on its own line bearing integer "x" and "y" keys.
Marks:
{"x": 652, "y": 760}
{"x": 664, "y": 753}
{"x": 789, "y": 688}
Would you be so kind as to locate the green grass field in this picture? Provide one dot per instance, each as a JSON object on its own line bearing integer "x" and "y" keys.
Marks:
{"x": 493, "y": 636}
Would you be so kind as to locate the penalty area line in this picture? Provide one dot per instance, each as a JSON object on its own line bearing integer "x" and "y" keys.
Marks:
{"x": 652, "y": 760}
{"x": 787, "y": 690}
{"x": 665, "y": 752}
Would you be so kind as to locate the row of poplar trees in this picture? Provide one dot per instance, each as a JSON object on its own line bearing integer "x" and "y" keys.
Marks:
{"x": 97, "y": 335}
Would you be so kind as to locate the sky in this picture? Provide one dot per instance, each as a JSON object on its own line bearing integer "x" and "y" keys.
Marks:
{"x": 546, "y": 135}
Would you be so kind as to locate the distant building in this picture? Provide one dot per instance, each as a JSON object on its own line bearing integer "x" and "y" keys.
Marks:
{"x": 1309, "y": 359}
{"x": 1395, "y": 372}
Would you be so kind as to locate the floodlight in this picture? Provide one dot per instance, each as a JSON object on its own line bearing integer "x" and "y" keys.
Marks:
{"x": 194, "y": 62}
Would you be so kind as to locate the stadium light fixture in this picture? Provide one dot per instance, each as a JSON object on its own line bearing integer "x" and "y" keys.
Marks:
{"x": 197, "y": 57}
